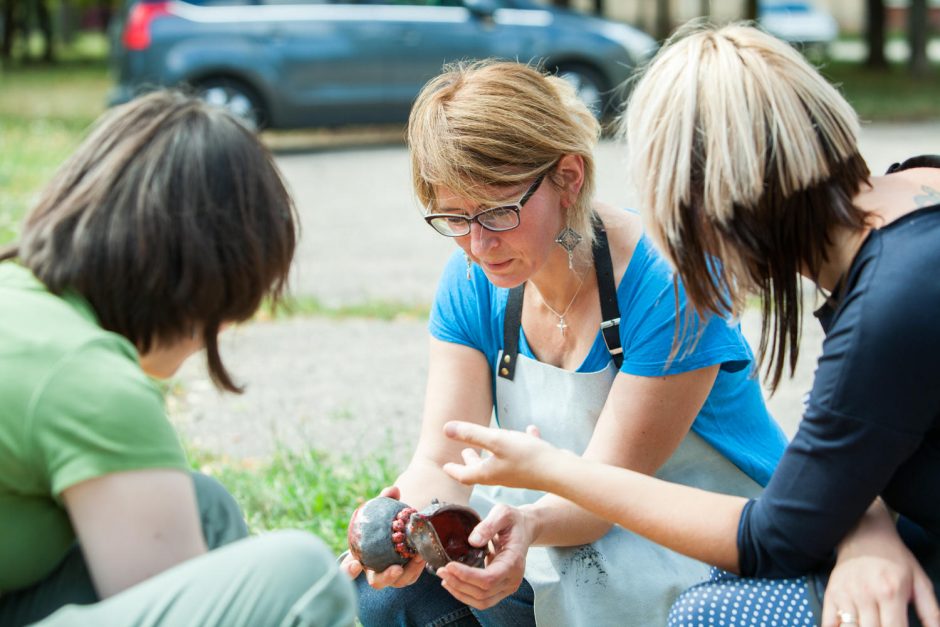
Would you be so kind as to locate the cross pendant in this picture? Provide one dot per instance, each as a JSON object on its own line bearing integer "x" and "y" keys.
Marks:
{"x": 561, "y": 325}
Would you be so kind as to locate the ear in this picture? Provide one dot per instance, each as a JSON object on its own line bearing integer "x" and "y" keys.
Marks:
{"x": 570, "y": 173}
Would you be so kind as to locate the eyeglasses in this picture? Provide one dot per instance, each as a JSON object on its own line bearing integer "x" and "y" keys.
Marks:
{"x": 502, "y": 218}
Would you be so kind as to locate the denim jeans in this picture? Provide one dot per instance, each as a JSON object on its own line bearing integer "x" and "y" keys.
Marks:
{"x": 426, "y": 603}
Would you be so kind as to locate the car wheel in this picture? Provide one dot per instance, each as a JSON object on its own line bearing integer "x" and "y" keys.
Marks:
{"x": 588, "y": 84}
{"x": 236, "y": 98}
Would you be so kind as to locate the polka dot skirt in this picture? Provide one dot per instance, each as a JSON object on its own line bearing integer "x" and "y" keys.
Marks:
{"x": 727, "y": 600}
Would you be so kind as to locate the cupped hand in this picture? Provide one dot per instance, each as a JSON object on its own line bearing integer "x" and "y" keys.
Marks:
{"x": 511, "y": 533}
{"x": 875, "y": 591}
{"x": 517, "y": 459}
{"x": 394, "y": 576}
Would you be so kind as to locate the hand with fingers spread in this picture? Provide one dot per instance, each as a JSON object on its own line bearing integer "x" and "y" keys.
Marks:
{"x": 511, "y": 533}
{"x": 876, "y": 578}
{"x": 394, "y": 576}
{"x": 517, "y": 460}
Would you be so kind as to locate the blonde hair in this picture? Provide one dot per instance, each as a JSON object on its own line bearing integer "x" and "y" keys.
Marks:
{"x": 481, "y": 126}
{"x": 744, "y": 159}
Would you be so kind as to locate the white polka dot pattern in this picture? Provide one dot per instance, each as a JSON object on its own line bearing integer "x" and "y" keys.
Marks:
{"x": 727, "y": 600}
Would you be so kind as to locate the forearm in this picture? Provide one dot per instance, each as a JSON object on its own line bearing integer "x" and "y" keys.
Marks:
{"x": 702, "y": 525}
{"x": 874, "y": 532}
{"x": 559, "y": 522}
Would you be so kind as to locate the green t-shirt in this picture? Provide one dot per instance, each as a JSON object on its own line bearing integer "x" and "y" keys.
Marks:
{"x": 75, "y": 405}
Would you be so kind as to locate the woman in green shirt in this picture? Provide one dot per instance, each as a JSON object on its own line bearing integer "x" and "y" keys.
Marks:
{"x": 169, "y": 222}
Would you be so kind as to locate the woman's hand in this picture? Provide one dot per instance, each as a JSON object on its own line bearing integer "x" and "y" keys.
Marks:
{"x": 517, "y": 460}
{"x": 394, "y": 576}
{"x": 876, "y": 577}
{"x": 510, "y": 532}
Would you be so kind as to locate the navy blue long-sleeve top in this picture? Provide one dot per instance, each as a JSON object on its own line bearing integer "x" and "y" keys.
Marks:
{"x": 872, "y": 423}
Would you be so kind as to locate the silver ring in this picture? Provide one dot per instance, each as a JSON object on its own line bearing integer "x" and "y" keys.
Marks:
{"x": 846, "y": 618}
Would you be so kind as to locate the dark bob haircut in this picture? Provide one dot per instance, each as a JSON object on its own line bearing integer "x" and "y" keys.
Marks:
{"x": 170, "y": 219}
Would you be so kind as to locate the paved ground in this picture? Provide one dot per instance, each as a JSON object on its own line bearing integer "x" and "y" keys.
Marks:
{"x": 352, "y": 385}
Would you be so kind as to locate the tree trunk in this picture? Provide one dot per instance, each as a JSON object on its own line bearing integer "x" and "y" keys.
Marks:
{"x": 917, "y": 28}
{"x": 599, "y": 7}
{"x": 705, "y": 8}
{"x": 663, "y": 19}
{"x": 565, "y": 4}
{"x": 6, "y": 50}
{"x": 875, "y": 34}
{"x": 44, "y": 18}
{"x": 750, "y": 10}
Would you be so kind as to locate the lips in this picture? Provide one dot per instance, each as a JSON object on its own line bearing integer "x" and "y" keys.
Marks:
{"x": 495, "y": 266}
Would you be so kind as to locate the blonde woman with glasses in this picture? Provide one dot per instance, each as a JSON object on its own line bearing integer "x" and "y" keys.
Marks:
{"x": 556, "y": 311}
{"x": 749, "y": 175}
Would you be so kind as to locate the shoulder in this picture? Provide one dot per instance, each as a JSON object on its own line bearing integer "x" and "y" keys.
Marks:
{"x": 624, "y": 230}
{"x": 97, "y": 412}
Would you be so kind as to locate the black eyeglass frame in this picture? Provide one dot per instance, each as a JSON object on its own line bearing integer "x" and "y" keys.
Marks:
{"x": 515, "y": 207}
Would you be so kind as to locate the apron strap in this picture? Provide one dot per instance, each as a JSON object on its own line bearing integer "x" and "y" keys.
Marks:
{"x": 610, "y": 310}
{"x": 607, "y": 290}
{"x": 511, "y": 326}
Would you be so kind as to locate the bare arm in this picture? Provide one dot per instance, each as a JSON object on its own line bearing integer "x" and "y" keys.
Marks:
{"x": 697, "y": 523}
{"x": 458, "y": 388}
{"x": 134, "y": 525}
{"x": 640, "y": 427}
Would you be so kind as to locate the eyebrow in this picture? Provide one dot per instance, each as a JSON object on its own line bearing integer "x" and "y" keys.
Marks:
{"x": 451, "y": 211}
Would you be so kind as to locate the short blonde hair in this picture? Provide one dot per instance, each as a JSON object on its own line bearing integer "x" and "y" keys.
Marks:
{"x": 489, "y": 124}
{"x": 741, "y": 153}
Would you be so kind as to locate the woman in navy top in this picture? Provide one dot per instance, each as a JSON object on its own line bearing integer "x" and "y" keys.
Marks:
{"x": 743, "y": 154}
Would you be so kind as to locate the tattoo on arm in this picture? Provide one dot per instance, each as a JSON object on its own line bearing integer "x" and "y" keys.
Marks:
{"x": 930, "y": 196}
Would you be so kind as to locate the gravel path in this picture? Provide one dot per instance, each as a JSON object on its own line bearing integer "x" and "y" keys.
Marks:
{"x": 351, "y": 386}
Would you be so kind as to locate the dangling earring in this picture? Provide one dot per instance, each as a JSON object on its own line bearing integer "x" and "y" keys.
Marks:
{"x": 469, "y": 263}
{"x": 569, "y": 240}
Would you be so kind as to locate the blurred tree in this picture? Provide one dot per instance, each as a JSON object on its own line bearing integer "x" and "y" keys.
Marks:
{"x": 875, "y": 34}
{"x": 917, "y": 28}
{"x": 9, "y": 27}
{"x": 599, "y": 7}
{"x": 750, "y": 10}
{"x": 19, "y": 16}
{"x": 663, "y": 19}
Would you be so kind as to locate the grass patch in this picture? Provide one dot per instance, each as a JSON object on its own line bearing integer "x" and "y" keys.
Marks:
{"x": 299, "y": 490}
{"x": 44, "y": 113}
{"x": 311, "y": 306}
{"x": 892, "y": 95}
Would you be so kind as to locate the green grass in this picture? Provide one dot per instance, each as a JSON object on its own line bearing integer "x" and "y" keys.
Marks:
{"x": 299, "y": 490}
{"x": 888, "y": 96}
{"x": 312, "y": 306}
{"x": 44, "y": 112}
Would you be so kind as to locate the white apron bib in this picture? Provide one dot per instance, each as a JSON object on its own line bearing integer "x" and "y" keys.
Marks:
{"x": 622, "y": 578}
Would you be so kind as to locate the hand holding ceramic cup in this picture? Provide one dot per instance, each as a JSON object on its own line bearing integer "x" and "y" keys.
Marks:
{"x": 384, "y": 532}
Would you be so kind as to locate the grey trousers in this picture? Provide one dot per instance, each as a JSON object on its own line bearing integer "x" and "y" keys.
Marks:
{"x": 286, "y": 578}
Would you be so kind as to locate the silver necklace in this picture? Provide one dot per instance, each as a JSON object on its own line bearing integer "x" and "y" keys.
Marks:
{"x": 562, "y": 325}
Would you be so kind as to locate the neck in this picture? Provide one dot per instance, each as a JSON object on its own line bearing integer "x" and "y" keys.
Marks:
{"x": 839, "y": 257}
{"x": 557, "y": 284}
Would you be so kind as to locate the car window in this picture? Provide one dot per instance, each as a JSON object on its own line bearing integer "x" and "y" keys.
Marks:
{"x": 409, "y": 3}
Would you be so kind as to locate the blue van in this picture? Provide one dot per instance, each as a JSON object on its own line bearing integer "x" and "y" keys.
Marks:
{"x": 298, "y": 63}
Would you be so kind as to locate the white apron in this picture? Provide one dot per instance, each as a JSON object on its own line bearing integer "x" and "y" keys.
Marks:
{"x": 622, "y": 579}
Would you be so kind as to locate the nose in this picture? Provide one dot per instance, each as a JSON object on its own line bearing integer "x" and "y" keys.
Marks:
{"x": 481, "y": 240}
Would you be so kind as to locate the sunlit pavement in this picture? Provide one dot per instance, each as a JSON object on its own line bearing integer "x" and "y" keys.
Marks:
{"x": 356, "y": 386}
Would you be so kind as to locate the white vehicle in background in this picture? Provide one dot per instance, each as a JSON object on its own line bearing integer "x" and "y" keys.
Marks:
{"x": 802, "y": 23}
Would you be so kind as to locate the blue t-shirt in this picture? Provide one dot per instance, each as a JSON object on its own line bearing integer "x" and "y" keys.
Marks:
{"x": 733, "y": 419}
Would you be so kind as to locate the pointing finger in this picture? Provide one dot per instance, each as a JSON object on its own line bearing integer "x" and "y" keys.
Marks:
{"x": 476, "y": 435}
